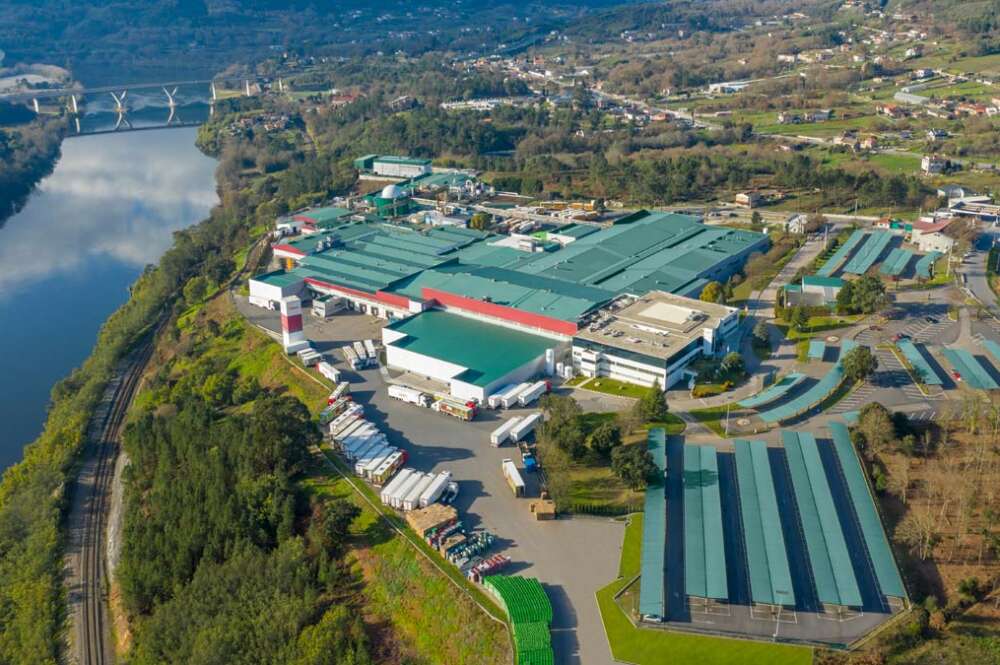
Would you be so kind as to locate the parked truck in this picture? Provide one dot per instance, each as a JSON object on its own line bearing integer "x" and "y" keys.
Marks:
{"x": 397, "y": 499}
{"x": 410, "y": 395}
{"x": 509, "y": 398}
{"x": 525, "y": 427}
{"x": 371, "y": 459}
{"x": 437, "y": 487}
{"x": 343, "y": 388}
{"x": 362, "y": 353}
{"x": 372, "y": 352}
{"x": 493, "y": 401}
{"x": 328, "y": 370}
{"x": 502, "y": 433}
{"x": 412, "y": 500}
{"x": 513, "y": 477}
{"x": 466, "y": 411}
{"x": 533, "y": 392}
{"x": 351, "y": 357}
{"x": 397, "y": 481}
{"x": 350, "y": 414}
{"x": 400, "y": 492}
{"x": 388, "y": 467}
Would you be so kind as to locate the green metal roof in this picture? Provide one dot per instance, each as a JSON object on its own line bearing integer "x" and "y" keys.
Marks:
{"x": 325, "y": 216}
{"x": 869, "y": 253}
{"x": 488, "y": 351}
{"x": 767, "y": 558}
{"x": 816, "y": 394}
{"x": 832, "y": 570}
{"x": 410, "y": 161}
{"x": 773, "y": 392}
{"x": 840, "y": 256}
{"x": 652, "y": 592}
{"x": 863, "y": 501}
{"x": 896, "y": 262}
{"x": 819, "y": 280}
{"x": 278, "y": 278}
{"x": 924, "y": 265}
{"x": 920, "y": 365}
{"x": 704, "y": 554}
{"x": 970, "y": 369}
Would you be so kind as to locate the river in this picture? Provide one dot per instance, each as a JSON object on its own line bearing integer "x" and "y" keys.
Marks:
{"x": 67, "y": 259}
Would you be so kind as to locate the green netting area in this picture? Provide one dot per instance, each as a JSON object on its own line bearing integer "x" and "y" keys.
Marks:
{"x": 530, "y": 612}
{"x": 869, "y": 253}
{"x": 817, "y": 348}
{"x": 863, "y": 501}
{"x": 652, "y": 600}
{"x": 925, "y": 264}
{"x": 896, "y": 262}
{"x": 774, "y": 392}
{"x": 704, "y": 554}
{"x": 531, "y": 636}
{"x": 523, "y": 598}
{"x": 536, "y": 657}
{"x": 767, "y": 558}
{"x": 923, "y": 369}
{"x": 970, "y": 370}
{"x": 840, "y": 256}
{"x": 829, "y": 559}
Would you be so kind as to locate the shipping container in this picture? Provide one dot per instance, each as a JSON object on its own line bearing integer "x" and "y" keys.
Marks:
{"x": 510, "y": 398}
{"x": 513, "y": 477}
{"x": 395, "y": 484}
{"x": 525, "y": 427}
{"x": 396, "y": 500}
{"x": 388, "y": 467}
{"x": 493, "y": 401}
{"x": 502, "y": 433}
{"x": 412, "y": 500}
{"x": 329, "y": 371}
{"x": 532, "y": 393}
{"x": 409, "y": 395}
{"x": 435, "y": 489}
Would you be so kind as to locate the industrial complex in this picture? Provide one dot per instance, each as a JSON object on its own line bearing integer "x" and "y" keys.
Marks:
{"x": 615, "y": 300}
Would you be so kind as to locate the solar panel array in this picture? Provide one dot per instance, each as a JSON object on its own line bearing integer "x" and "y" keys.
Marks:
{"x": 924, "y": 265}
{"x": 970, "y": 370}
{"x": 704, "y": 553}
{"x": 896, "y": 262}
{"x": 923, "y": 369}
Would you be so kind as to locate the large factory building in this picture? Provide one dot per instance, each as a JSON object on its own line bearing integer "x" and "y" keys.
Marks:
{"x": 533, "y": 307}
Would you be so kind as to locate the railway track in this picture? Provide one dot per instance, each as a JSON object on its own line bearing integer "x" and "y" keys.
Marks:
{"x": 93, "y": 639}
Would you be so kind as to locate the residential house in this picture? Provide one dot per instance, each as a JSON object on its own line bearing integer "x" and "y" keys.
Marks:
{"x": 934, "y": 164}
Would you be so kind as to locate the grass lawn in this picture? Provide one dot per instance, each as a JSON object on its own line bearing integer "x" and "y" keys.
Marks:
{"x": 895, "y": 164}
{"x": 712, "y": 418}
{"x": 431, "y": 620}
{"x": 646, "y": 646}
{"x": 614, "y": 387}
{"x": 591, "y": 487}
{"x": 577, "y": 380}
{"x": 818, "y": 324}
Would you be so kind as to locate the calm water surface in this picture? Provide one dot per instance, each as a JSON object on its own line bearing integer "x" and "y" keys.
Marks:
{"x": 67, "y": 259}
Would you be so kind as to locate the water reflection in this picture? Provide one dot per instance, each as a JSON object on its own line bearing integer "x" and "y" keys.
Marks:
{"x": 66, "y": 260}
{"x": 112, "y": 197}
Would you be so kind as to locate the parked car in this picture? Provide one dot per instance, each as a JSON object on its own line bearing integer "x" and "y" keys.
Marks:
{"x": 899, "y": 336}
{"x": 930, "y": 319}
{"x": 955, "y": 375}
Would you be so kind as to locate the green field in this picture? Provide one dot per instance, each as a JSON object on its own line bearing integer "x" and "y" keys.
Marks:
{"x": 644, "y": 646}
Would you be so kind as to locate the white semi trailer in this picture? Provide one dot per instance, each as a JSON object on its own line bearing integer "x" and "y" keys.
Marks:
{"x": 502, "y": 433}
{"x": 395, "y": 484}
{"x": 409, "y": 395}
{"x": 436, "y": 488}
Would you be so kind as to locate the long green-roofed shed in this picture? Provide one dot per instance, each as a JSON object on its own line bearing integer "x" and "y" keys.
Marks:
{"x": 829, "y": 560}
{"x": 767, "y": 558}
{"x": 652, "y": 592}
{"x": 840, "y": 256}
{"x": 923, "y": 369}
{"x": 971, "y": 371}
{"x": 879, "y": 550}
{"x": 704, "y": 554}
{"x": 489, "y": 352}
{"x": 774, "y": 392}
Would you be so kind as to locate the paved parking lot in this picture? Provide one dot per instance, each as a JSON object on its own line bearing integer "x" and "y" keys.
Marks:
{"x": 572, "y": 557}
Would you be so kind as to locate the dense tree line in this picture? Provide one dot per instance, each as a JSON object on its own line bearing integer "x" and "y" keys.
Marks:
{"x": 28, "y": 153}
{"x": 223, "y": 558}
